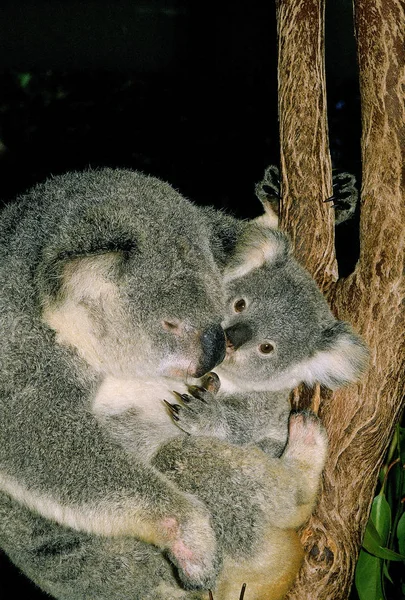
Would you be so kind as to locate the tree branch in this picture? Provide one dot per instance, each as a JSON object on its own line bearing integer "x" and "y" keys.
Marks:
{"x": 305, "y": 160}
{"x": 359, "y": 420}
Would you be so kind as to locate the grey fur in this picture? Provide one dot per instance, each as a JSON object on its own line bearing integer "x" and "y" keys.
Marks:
{"x": 144, "y": 282}
{"x": 110, "y": 285}
{"x": 284, "y": 308}
{"x": 103, "y": 497}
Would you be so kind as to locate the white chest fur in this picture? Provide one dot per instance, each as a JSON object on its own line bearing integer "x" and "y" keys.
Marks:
{"x": 134, "y": 415}
{"x": 116, "y": 396}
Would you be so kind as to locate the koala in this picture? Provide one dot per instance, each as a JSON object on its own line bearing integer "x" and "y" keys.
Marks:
{"x": 106, "y": 298}
{"x": 280, "y": 333}
{"x": 107, "y": 304}
{"x": 102, "y": 282}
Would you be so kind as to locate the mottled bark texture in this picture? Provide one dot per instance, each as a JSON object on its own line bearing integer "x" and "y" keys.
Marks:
{"x": 359, "y": 420}
{"x": 304, "y": 136}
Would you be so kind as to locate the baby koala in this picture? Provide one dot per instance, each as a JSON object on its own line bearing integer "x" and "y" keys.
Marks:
{"x": 280, "y": 333}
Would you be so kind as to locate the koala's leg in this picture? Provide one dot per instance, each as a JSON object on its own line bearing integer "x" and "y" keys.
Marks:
{"x": 303, "y": 460}
{"x": 103, "y": 569}
{"x": 81, "y": 479}
{"x": 254, "y": 500}
{"x": 243, "y": 487}
{"x": 269, "y": 574}
{"x": 72, "y": 565}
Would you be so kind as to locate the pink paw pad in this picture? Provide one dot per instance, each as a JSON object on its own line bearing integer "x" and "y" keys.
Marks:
{"x": 305, "y": 428}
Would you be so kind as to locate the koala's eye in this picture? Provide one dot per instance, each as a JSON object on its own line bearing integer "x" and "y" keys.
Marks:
{"x": 239, "y": 305}
{"x": 266, "y": 348}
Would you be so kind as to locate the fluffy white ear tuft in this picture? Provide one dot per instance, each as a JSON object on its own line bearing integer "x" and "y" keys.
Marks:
{"x": 343, "y": 359}
{"x": 257, "y": 246}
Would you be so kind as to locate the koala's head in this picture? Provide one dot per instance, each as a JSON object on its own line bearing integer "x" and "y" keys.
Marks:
{"x": 127, "y": 277}
{"x": 279, "y": 328}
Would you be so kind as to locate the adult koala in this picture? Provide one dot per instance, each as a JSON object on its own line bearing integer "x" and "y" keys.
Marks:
{"x": 109, "y": 287}
{"x": 103, "y": 274}
{"x": 99, "y": 315}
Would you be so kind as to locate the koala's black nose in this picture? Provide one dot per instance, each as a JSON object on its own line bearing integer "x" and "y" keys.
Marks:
{"x": 238, "y": 334}
{"x": 213, "y": 347}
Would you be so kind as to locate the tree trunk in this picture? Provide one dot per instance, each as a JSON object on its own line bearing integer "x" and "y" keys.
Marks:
{"x": 359, "y": 420}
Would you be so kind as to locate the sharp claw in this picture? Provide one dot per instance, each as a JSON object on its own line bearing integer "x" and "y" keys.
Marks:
{"x": 194, "y": 389}
{"x": 183, "y": 398}
{"x": 330, "y": 199}
{"x": 212, "y": 383}
{"x": 198, "y": 388}
{"x": 173, "y": 410}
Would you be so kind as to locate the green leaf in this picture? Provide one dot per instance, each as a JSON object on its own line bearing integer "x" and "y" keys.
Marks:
{"x": 373, "y": 541}
{"x": 386, "y": 572}
{"x": 381, "y": 517}
{"x": 383, "y": 553}
{"x": 372, "y": 538}
{"x": 401, "y": 534}
{"x": 368, "y": 577}
{"x": 24, "y": 79}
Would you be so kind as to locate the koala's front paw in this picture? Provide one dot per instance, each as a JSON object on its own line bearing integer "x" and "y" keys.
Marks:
{"x": 345, "y": 197}
{"x": 268, "y": 189}
{"x": 199, "y": 412}
{"x": 193, "y": 550}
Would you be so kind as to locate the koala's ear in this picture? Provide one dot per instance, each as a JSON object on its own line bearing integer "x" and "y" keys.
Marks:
{"x": 81, "y": 272}
{"x": 341, "y": 359}
{"x": 257, "y": 246}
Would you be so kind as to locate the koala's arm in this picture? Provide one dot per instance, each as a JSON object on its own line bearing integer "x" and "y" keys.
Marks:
{"x": 256, "y": 418}
{"x": 56, "y": 461}
{"x": 241, "y": 485}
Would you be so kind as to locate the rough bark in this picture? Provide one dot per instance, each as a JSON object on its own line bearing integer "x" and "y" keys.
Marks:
{"x": 304, "y": 136}
{"x": 360, "y": 419}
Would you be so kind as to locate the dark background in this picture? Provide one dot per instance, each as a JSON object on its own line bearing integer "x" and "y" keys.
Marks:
{"x": 185, "y": 90}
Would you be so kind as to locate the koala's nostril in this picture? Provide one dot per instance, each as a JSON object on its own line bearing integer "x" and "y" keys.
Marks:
{"x": 174, "y": 326}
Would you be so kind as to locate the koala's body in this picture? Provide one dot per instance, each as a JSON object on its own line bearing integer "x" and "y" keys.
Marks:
{"x": 106, "y": 298}
{"x": 101, "y": 278}
{"x": 280, "y": 333}
{"x": 110, "y": 278}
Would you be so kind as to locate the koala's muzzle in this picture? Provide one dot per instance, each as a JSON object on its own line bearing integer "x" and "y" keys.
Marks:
{"x": 213, "y": 349}
{"x": 238, "y": 334}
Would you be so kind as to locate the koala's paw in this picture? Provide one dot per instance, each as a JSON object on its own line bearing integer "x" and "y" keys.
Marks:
{"x": 345, "y": 196}
{"x": 199, "y": 412}
{"x": 193, "y": 550}
{"x": 269, "y": 187}
{"x": 307, "y": 440}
